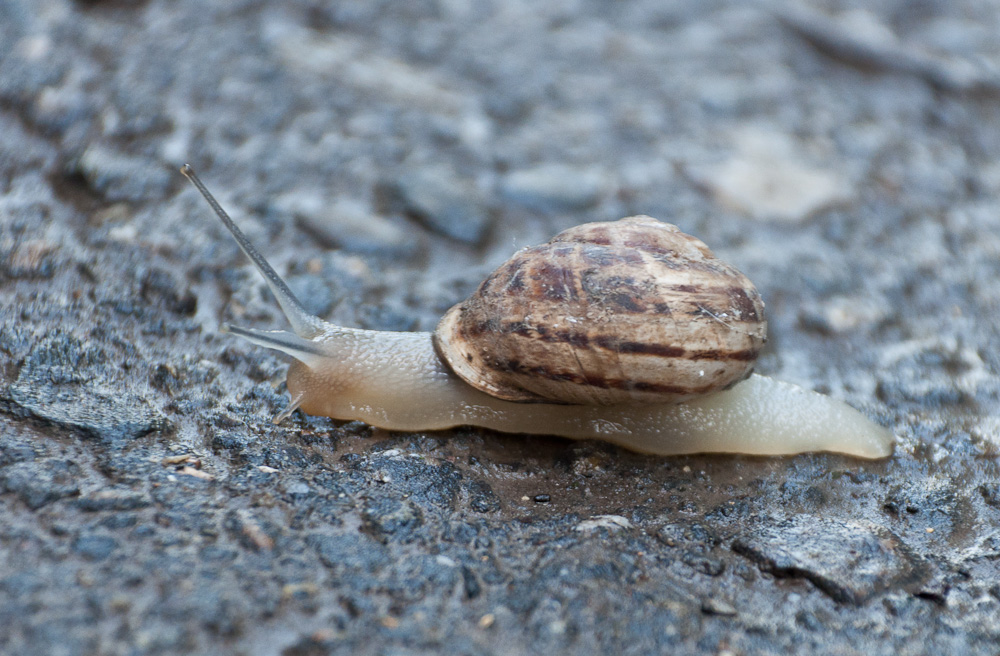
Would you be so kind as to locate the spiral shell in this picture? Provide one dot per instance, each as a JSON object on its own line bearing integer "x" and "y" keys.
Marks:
{"x": 631, "y": 311}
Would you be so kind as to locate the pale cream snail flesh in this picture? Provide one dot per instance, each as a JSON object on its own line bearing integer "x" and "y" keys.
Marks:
{"x": 398, "y": 381}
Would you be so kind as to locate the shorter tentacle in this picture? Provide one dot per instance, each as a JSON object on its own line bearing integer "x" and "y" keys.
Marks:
{"x": 305, "y": 351}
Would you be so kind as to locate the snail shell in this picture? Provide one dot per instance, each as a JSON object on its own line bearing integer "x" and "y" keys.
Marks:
{"x": 630, "y": 311}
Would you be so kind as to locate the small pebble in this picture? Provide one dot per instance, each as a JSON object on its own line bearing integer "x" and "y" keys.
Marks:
{"x": 841, "y": 314}
{"x": 768, "y": 178}
{"x": 28, "y": 259}
{"x": 121, "y": 177}
{"x": 445, "y": 204}
{"x": 713, "y": 606}
{"x": 353, "y": 226}
{"x": 612, "y": 523}
{"x": 553, "y": 188}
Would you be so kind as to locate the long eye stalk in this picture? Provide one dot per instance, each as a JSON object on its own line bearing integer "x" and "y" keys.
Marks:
{"x": 304, "y": 324}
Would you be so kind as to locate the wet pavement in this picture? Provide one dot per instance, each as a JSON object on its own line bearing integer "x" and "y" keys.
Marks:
{"x": 385, "y": 157}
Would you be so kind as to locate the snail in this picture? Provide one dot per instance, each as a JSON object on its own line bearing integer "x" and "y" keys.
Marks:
{"x": 630, "y": 332}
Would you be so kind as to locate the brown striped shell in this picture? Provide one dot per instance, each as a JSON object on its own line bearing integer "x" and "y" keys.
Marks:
{"x": 630, "y": 311}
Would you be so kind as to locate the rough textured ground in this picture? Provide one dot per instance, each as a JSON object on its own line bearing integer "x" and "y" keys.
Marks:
{"x": 386, "y": 155}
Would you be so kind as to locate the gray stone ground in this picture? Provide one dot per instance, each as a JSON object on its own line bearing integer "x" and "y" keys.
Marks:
{"x": 386, "y": 155}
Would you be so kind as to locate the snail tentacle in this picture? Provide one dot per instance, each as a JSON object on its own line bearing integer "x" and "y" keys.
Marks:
{"x": 304, "y": 324}
{"x": 303, "y": 350}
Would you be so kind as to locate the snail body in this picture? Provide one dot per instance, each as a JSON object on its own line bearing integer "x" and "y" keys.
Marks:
{"x": 687, "y": 399}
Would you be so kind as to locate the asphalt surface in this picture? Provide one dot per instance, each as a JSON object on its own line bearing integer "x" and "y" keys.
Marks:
{"x": 386, "y": 156}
